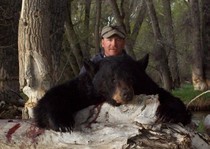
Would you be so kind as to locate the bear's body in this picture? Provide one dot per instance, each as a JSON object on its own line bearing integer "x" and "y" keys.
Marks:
{"x": 57, "y": 107}
{"x": 124, "y": 70}
{"x": 114, "y": 80}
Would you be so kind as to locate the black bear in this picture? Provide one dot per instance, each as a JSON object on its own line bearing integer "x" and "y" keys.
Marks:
{"x": 56, "y": 109}
{"x": 122, "y": 73}
{"x": 114, "y": 79}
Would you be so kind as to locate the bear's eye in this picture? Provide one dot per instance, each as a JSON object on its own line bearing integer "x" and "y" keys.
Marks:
{"x": 131, "y": 81}
{"x": 113, "y": 80}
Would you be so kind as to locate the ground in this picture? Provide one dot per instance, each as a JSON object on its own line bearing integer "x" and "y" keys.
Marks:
{"x": 9, "y": 111}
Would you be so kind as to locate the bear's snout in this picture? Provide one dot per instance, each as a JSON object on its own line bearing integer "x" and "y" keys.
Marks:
{"x": 123, "y": 94}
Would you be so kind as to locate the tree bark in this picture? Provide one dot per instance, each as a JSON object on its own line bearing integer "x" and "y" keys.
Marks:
{"x": 197, "y": 50}
{"x": 159, "y": 49}
{"x": 73, "y": 40}
{"x": 170, "y": 43}
{"x": 86, "y": 46}
{"x": 206, "y": 39}
{"x": 122, "y": 19}
{"x": 125, "y": 12}
{"x": 38, "y": 52}
{"x": 70, "y": 59}
{"x": 58, "y": 13}
{"x": 140, "y": 14}
{"x": 97, "y": 25}
{"x": 116, "y": 12}
{"x": 34, "y": 51}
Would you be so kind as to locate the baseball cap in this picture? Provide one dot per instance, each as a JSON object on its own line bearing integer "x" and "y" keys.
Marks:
{"x": 109, "y": 31}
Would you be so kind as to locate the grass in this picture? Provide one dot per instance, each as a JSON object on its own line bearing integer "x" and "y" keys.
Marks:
{"x": 186, "y": 93}
{"x": 201, "y": 127}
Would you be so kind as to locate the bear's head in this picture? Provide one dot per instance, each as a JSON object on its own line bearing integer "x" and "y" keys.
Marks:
{"x": 117, "y": 79}
{"x": 114, "y": 77}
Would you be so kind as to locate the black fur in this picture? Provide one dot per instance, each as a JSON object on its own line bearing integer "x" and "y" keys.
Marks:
{"x": 58, "y": 106}
{"x": 113, "y": 79}
{"x": 117, "y": 72}
{"x": 113, "y": 69}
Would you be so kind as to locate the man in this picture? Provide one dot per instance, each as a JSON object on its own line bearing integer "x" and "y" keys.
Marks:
{"x": 112, "y": 43}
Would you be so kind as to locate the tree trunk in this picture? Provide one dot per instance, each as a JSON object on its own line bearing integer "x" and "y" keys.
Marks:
{"x": 38, "y": 53}
{"x": 97, "y": 24}
{"x": 206, "y": 39}
{"x": 34, "y": 51}
{"x": 9, "y": 83}
{"x": 125, "y": 12}
{"x": 123, "y": 20}
{"x": 69, "y": 60}
{"x": 170, "y": 43}
{"x": 73, "y": 40}
{"x": 130, "y": 43}
{"x": 197, "y": 51}
{"x": 85, "y": 48}
{"x": 116, "y": 12}
{"x": 58, "y": 13}
{"x": 159, "y": 49}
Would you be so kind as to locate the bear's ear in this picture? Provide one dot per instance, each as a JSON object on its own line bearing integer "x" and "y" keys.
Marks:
{"x": 143, "y": 63}
{"x": 90, "y": 67}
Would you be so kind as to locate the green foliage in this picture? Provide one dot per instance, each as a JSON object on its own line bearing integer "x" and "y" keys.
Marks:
{"x": 201, "y": 127}
{"x": 198, "y": 118}
{"x": 187, "y": 93}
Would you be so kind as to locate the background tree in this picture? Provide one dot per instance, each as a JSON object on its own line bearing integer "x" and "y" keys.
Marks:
{"x": 58, "y": 13}
{"x": 170, "y": 43}
{"x": 37, "y": 50}
{"x": 206, "y": 39}
{"x": 73, "y": 41}
{"x": 159, "y": 49}
{"x": 138, "y": 20}
{"x": 197, "y": 51}
{"x": 87, "y": 28}
{"x": 9, "y": 84}
{"x": 81, "y": 40}
{"x": 97, "y": 25}
{"x": 123, "y": 18}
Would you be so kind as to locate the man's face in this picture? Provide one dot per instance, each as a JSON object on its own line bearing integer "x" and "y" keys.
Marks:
{"x": 113, "y": 45}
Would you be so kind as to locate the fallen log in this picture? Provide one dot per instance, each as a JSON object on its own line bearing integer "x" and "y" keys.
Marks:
{"x": 128, "y": 126}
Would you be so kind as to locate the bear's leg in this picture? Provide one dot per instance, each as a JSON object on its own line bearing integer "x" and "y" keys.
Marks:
{"x": 173, "y": 111}
{"x": 41, "y": 117}
{"x": 51, "y": 117}
{"x": 61, "y": 121}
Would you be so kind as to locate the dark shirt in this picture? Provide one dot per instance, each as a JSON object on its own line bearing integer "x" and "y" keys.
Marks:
{"x": 97, "y": 58}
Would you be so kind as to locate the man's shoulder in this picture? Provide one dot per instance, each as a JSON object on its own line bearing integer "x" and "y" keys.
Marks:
{"x": 97, "y": 57}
